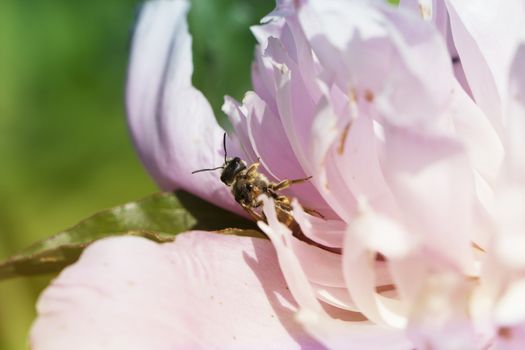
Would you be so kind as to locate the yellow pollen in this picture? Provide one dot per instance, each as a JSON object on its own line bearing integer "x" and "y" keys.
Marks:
{"x": 425, "y": 12}
{"x": 344, "y": 135}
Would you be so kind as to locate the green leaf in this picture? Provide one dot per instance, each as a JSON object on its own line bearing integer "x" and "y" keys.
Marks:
{"x": 159, "y": 217}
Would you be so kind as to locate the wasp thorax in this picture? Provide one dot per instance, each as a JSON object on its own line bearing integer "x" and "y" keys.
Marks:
{"x": 231, "y": 169}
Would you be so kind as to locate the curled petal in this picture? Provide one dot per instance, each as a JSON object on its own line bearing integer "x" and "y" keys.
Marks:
{"x": 429, "y": 10}
{"x": 330, "y": 332}
{"x": 267, "y": 135}
{"x": 161, "y": 102}
{"x": 481, "y": 141}
{"x": 263, "y": 79}
{"x": 296, "y": 90}
{"x": 205, "y": 290}
{"x": 509, "y": 241}
{"x": 323, "y": 231}
{"x": 330, "y": 181}
{"x": 237, "y": 114}
{"x": 335, "y": 296}
{"x": 440, "y": 317}
{"x": 281, "y": 237}
{"x": 432, "y": 172}
{"x": 436, "y": 12}
{"x": 515, "y": 120}
{"x": 337, "y": 334}
{"x": 477, "y": 29}
{"x": 360, "y": 277}
{"x": 402, "y": 63}
{"x": 357, "y": 159}
{"x": 408, "y": 274}
{"x": 510, "y": 310}
{"x": 381, "y": 234}
{"x": 319, "y": 266}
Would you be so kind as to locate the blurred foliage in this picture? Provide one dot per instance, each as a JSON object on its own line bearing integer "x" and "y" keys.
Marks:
{"x": 64, "y": 146}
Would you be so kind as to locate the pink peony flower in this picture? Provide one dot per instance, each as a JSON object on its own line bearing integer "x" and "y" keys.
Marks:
{"x": 410, "y": 122}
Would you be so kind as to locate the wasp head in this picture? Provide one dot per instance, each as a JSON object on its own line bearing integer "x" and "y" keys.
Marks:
{"x": 231, "y": 169}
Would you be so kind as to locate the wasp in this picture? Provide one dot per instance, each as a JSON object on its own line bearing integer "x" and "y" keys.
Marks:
{"x": 247, "y": 184}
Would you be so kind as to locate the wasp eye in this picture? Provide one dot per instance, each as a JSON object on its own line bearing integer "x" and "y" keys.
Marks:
{"x": 249, "y": 187}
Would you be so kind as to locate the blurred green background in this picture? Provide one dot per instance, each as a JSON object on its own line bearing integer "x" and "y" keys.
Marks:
{"x": 64, "y": 147}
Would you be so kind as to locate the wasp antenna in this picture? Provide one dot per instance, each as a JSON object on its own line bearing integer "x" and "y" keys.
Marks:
{"x": 201, "y": 170}
{"x": 224, "y": 145}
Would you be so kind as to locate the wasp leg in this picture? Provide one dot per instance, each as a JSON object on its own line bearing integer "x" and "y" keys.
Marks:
{"x": 255, "y": 215}
{"x": 313, "y": 212}
{"x": 253, "y": 167}
{"x": 287, "y": 183}
{"x": 285, "y": 217}
{"x": 283, "y": 202}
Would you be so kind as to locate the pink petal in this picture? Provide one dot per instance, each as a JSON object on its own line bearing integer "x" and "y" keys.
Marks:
{"x": 293, "y": 100}
{"x": 331, "y": 332}
{"x": 237, "y": 115}
{"x": 408, "y": 274}
{"x": 459, "y": 71}
{"x": 508, "y": 243}
{"x": 323, "y": 231}
{"x": 296, "y": 96}
{"x": 359, "y": 162}
{"x": 478, "y": 29}
{"x": 267, "y": 135}
{"x": 360, "y": 277}
{"x": 337, "y": 334}
{"x": 271, "y": 26}
{"x": 262, "y": 68}
{"x": 324, "y": 269}
{"x": 263, "y": 79}
{"x": 436, "y": 12}
{"x": 440, "y": 317}
{"x": 283, "y": 47}
{"x": 292, "y": 270}
{"x": 350, "y": 40}
{"x": 376, "y": 49}
{"x": 515, "y": 120}
{"x": 485, "y": 152}
{"x": 430, "y": 177}
{"x": 335, "y": 296}
{"x": 299, "y": 53}
{"x": 319, "y": 266}
{"x": 511, "y": 338}
{"x": 284, "y": 8}
{"x": 172, "y": 124}
{"x": 205, "y": 290}
{"x": 480, "y": 139}
{"x": 380, "y": 234}
{"x": 510, "y": 310}
{"x": 330, "y": 181}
